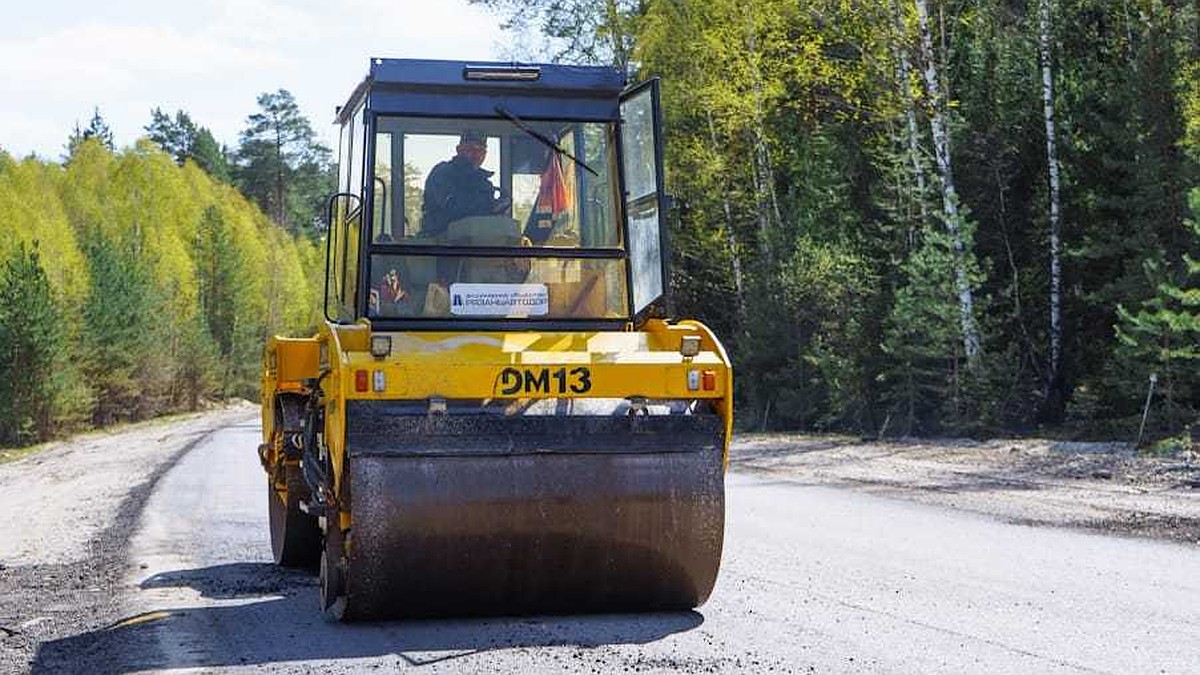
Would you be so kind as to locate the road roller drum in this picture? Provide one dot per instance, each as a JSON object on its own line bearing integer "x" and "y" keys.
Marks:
{"x": 498, "y": 415}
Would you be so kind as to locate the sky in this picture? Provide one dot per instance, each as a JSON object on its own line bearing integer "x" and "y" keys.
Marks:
{"x": 210, "y": 58}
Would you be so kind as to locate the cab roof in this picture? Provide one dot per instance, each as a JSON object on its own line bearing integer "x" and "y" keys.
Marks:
{"x": 436, "y": 88}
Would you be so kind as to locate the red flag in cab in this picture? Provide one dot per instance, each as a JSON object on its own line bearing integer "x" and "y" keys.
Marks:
{"x": 554, "y": 200}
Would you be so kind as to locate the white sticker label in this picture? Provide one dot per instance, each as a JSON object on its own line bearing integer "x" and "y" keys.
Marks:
{"x": 499, "y": 300}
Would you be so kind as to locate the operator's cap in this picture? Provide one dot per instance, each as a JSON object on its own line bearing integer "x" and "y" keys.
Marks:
{"x": 473, "y": 137}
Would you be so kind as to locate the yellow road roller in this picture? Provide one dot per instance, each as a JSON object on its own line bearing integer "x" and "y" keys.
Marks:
{"x": 498, "y": 415}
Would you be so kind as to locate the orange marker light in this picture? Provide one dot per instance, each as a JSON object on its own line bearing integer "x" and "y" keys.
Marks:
{"x": 360, "y": 380}
{"x": 710, "y": 380}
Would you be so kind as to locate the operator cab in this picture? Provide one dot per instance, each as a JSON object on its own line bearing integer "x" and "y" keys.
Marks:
{"x": 570, "y": 236}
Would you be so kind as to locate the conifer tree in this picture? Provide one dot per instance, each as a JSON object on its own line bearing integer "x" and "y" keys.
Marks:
{"x": 120, "y": 314}
{"x": 281, "y": 165}
{"x": 183, "y": 139}
{"x": 1164, "y": 332}
{"x": 920, "y": 382}
{"x": 218, "y": 272}
{"x": 97, "y": 128}
{"x": 31, "y": 346}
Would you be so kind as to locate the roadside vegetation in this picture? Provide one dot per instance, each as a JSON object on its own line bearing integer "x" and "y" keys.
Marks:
{"x": 921, "y": 217}
{"x": 135, "y": 282}
{"x": 904, "y": 217}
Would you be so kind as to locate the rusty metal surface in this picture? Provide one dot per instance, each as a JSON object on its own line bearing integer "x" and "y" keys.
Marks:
{"x": 513, "y": 516}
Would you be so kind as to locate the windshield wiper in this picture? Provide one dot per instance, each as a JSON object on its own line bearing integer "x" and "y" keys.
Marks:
{"x": 549, "y": 143}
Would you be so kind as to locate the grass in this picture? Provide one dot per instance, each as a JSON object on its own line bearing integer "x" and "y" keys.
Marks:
{"x": 1172, "y": 446}
{"x": 13, "y": 454}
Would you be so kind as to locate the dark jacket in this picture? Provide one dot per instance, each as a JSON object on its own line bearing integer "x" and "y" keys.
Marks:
{"x": 456, "y": 189}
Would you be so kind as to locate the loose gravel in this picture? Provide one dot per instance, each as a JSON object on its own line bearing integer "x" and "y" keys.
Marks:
{"x": 1105, "y": 487}
{"x": 70, "y": 510}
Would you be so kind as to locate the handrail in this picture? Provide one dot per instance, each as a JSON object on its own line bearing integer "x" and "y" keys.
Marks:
{"x": 383, "y": 210}
{"x": 329, "y": 245}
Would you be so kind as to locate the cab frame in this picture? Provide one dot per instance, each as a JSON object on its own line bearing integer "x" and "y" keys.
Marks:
{"x": 410, "y": 88}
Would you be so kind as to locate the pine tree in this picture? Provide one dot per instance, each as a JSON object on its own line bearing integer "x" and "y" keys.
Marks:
{"x": 120, "y": 314}
{"x": 175, "y": 136}
{"x": 281, "y": 166}
{"x": 183, "y": 139}
{"x": 923, "y": 379}
{"x": 1164, "y": 333}
{"x": 211, "y": 156}
{"x": 218, "y": 271}
{"x": 97, "y": 128}
{"x": 31, "y": 348}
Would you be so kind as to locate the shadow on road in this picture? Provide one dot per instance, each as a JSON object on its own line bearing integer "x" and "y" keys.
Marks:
{"x": 269, "y": 616}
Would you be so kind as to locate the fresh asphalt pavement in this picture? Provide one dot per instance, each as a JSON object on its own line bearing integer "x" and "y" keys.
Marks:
{"x": 812, "y": 580}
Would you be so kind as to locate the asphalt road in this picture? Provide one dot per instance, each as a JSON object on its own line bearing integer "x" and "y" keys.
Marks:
{"x": 813, "y": 580}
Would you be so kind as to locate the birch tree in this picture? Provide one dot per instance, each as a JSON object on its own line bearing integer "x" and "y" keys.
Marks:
{"x": 281, "y": 164}
{"x": 584, "y": 31}
{"x": 735, "y": 255}
{"x": 903, "y": 75}
{"x": 1044, "y": 32}
{"x": 941, "y": 146}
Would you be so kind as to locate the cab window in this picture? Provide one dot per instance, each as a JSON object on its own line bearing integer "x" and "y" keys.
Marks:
{"x": 534, "y": 186}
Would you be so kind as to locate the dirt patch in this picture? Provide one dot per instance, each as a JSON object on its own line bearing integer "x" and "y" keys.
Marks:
{"x": 1097, "y": 486}
{"x": 64, "y": 559}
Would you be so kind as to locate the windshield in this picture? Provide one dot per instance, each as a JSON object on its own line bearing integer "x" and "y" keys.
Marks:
{"x": 537, "y": 188}
{"x": 432, "y": 172}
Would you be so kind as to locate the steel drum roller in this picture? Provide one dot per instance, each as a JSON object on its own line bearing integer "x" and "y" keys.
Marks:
{"x": 480, "y": 514}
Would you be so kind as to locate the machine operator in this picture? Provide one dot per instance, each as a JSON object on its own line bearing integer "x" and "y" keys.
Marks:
{"x": 460, "y": 187}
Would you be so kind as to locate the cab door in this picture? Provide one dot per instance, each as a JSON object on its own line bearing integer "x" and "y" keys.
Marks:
{"x": 645, "y": 205}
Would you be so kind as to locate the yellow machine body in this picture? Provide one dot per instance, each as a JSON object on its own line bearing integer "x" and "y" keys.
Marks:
{"x": 495, "y": 417}
{"x": 508, "y": 370}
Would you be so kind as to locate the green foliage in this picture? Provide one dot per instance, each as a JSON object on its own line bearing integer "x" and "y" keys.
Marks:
{"x": 280, "y": 164}
{"x": 120, "y": 315}
{"x": 790, "y": 147}
{"x": 31, "y": 348}
{"x": 159, "y": 282}
{"x": 922, "y": 340}
{"x": 217, "y": 264}
{"x": 97, "y": 128}
{"x": 1189, "y": 80}
{"x": 183, "y": 139}
{"x": 1163, "y": 335}
{"x": 803, "y": 338}
{"x": 1181, "y": 445}
{"x": 578, "y": 30}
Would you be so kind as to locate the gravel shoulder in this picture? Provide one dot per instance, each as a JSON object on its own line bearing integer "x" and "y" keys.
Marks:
{"x": 1104, "y": 487}
{"x": 70, "y": 562}
{"x": 70, "y": 510}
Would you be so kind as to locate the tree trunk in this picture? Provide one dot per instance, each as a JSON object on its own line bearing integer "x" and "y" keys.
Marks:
{"x": 730, "y": 238}
{"x": 616, "y": 33}
{"x": 1054, "y": 381}
{"x": 761, "y": 207}
{"x": 1196, "y": 30}
{"x": 1129, "y": 52}
{"x": 764, "y": 174}
{"x": 941, "y": 147}
{"x": 280, "y": 211}
{"x": 910, "y": 113}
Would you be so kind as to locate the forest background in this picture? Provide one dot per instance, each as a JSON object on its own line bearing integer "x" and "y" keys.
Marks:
{"x": 902, "y": 216}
